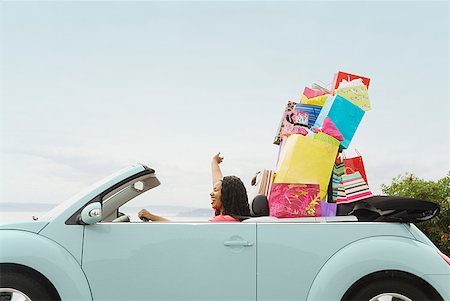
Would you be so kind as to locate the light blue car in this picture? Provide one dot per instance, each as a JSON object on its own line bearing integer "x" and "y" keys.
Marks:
{"x": 83, "y": 250}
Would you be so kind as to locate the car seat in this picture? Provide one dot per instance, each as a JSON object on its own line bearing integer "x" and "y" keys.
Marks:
{"x": 259, "y": 206}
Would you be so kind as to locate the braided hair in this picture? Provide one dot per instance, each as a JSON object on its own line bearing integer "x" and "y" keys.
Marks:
{"x": 234, "y": 197}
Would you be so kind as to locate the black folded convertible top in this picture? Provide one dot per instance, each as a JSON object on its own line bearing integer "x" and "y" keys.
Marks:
{"x": 391, "y": 209}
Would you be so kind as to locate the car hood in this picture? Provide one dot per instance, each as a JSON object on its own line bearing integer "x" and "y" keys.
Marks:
{"x": 30, "y": 226}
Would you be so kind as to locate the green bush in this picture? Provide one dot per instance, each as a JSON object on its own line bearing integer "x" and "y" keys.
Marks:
{"x": 438, "y": 228}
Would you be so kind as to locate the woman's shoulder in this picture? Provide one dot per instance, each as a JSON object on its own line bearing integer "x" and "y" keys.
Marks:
{"x": 223, "y": 218}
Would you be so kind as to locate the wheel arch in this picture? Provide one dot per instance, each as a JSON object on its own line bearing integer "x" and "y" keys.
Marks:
{"x": 33, "y": 252}
{"x": 393, "y": 274}
{"x": 372, "y": 255}
{"x": 6, "y": 268}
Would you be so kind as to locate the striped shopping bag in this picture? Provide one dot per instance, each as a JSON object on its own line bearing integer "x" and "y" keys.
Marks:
{"x": 338, "y": 172}
{"x": 311, "y": 110}
{"x": 352, "y": 188}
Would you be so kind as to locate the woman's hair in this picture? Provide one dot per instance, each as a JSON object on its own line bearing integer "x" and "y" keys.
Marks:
{"x": 234, "y": 197}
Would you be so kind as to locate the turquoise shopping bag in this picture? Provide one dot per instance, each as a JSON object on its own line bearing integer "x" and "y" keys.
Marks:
{"x": 345, "y": 115}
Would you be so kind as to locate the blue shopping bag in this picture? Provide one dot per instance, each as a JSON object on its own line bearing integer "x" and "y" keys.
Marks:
{"x": 345, "y": 115}
{"x": 311, "y": 110}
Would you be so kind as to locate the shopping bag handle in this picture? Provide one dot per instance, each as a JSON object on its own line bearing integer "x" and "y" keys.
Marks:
{"x": 349, "y": 168}
{"x": 324, "y": 85}
{"x": 340, "y": 157}
{"x": 357, "y": 152}
{"x": 328, "y": 143}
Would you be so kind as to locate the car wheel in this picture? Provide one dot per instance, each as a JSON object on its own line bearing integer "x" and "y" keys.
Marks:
{"x": 19, "y": 286}
{"x": 389, "y": 290}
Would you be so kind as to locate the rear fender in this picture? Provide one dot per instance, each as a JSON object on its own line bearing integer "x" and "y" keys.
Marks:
{"x": 48, "y": 258}
{"x": 374, "y": 254}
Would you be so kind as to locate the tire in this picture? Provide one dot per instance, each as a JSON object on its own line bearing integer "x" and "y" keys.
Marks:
{"x": 31, "y": 289}
{"x": 396, "y": 289}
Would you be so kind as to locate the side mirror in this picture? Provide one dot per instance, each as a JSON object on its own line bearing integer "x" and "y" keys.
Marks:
{"x": 91, "y": 214}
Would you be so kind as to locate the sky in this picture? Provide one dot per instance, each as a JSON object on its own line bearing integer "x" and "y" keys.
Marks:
{"x": 88, "y": 88}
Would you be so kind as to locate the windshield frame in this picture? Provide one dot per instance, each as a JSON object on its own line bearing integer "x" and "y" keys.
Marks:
{"x": 80, "y": 200}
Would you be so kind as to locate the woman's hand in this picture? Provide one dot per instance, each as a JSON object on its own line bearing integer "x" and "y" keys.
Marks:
{"x": 144, "y": 213}
{"x": 217, "y": 158}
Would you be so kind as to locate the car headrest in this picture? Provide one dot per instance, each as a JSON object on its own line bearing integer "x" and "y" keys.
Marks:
{"x": 260, "y": 206}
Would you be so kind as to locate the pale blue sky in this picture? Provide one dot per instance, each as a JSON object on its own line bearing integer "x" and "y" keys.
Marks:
{"x": 90, "y": 87}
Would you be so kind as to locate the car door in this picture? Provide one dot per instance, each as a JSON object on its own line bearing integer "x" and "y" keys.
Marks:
{"x": 170, "y": 261}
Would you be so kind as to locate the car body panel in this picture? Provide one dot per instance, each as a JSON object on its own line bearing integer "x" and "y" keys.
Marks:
{"x": 289, "y": 250}
{"x": 30, "y": 226}
{"x": 170, "y": 261}
{"x": 419, "y": 235}
{"x": 70, "y": 237}
{"x": 48, "y": 258}
{"x": 441, "y": 283}
{"x": 374, "y": 254}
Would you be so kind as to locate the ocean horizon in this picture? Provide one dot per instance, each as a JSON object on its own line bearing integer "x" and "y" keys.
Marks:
{"x": 12, "y": 212}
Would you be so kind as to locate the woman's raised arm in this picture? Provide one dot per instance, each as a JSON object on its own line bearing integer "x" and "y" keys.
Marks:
{"x": 215, "y": 168}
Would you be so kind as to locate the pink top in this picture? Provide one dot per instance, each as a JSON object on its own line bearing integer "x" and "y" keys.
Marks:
{"x": 223, "y": 218}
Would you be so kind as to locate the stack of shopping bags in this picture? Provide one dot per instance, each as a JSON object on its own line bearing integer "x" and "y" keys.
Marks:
{"x": 312, "y": 176}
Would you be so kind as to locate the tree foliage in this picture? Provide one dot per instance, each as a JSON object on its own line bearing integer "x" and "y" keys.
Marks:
{"x": 438, "y": 228}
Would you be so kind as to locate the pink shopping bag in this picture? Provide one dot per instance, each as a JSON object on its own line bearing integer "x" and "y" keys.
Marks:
{"x": 294, "y": 200}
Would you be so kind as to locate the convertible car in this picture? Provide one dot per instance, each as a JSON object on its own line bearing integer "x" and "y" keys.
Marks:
{"x": 85, "y": 250}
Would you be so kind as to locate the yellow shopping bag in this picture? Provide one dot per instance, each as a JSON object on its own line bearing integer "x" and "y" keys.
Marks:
{"x": 357, "y": 95}
{"x": 307, "y": 160}
{"x": 315, "y": 101}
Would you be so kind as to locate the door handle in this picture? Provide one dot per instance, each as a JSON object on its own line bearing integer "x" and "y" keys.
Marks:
{"x": 238, "y": 243}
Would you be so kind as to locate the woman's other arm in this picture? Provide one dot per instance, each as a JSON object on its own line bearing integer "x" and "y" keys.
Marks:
{"x": 150, "y": 216}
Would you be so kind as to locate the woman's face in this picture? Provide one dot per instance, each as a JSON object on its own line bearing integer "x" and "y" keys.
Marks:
{"x": 215, "y": 195}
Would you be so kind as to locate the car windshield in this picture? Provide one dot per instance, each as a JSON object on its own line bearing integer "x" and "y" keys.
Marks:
{"x": 126, "y": 192}
{"x": 67, "y": 203}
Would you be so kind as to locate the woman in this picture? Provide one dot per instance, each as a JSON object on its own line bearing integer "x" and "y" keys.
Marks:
{"x": 228, "y": 198}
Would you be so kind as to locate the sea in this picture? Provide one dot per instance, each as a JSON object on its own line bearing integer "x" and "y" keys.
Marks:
{"x": 13, "y": 212}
